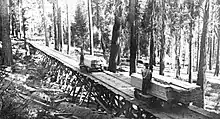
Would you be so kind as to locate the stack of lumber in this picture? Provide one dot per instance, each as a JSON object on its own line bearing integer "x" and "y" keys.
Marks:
{"x": 160, "y": 90}
{"x": 183, "y": 92}
{"x": 90, "y": 60}
{"x": 168, "y": 88}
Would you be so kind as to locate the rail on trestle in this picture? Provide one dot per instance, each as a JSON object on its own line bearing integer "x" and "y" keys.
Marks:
{"x": 93, "y": 90}
{"x": 87, "y": 92}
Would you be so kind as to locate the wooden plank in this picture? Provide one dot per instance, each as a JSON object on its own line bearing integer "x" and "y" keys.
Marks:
{"x": 119, "y": 76}
{"x": 159, "y": 90}
{"x": 178, "y": 83}
{"x": 127, "y": 88}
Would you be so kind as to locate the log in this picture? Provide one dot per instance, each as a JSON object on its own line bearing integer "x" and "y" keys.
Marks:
{"x": 81, "y": 112}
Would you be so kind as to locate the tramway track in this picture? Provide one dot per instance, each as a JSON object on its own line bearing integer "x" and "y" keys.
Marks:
{"x": 193, "y": 111}
{"x": 123, "y": 88}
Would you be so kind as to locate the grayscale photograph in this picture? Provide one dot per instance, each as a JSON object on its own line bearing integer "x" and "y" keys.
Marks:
{"x": 109, "y": 59}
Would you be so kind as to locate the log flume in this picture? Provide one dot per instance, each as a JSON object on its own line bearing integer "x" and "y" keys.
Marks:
{"x": 120, "y": 85}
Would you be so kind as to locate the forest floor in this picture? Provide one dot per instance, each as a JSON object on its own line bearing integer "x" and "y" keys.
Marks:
{"x": 25, "y": 94}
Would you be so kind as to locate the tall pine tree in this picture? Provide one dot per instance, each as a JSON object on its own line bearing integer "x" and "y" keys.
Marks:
{"x": 201, "y": 79}
{"x": 5, "y": 29}
{"x": 80, "y": 27}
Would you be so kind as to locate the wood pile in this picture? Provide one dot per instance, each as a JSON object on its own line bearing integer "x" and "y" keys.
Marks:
{"x": 158, "y": 89}
{"x": 167, "y": 88}
{"x": 183, "y": 92}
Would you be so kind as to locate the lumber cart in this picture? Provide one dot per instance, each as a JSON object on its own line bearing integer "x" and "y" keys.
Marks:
{"x": 167, "y": 91}
{"x": 92, "y": 63}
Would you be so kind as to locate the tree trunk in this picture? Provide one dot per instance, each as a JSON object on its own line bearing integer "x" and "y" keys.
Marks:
{"x": 90, "y": 27}
{"x": 201, "y": 81}
{"x": 68, "y": 29}
{"x": 6, "y": 41}
{"x": 10, "y": 17}
{"x": 1, "y": 25}
{"x": 103, "y": 46}
{"x": 60, "y": 29}
{"x": 55, "y": 26}
{"x": 211, "y": 39}
{"x": 190, "y": 56}
{"x": 210, "y": 53}
{"x": 162, "y": 43}
{"x": 45, "y": 24}
{"x": 177, "y": 54}
{"x": 151, "y": 50}
{"x": 190, "y": 43}
{"x": 213, "y": 46}
{"x": 23, "y": 23}
{"x": 100, "y": 31}
{"x": 13, "y": 22}
{"x": 197, "y": 58}
{"x": 152, "y": 39}
{"x": 217, "y": 56}
{"x": 138, "y": 43}
{"x": 115, "y": 45}
{"x": 133, "y": 40}
{"x": 20, "y": 18}
{"x": 217, "y": 33}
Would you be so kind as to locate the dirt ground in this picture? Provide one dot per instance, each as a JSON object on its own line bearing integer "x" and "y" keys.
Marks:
{"x": 26, "y": 94}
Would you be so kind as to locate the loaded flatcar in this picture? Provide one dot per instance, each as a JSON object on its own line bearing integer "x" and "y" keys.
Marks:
{"x": 92, "y": 63}
{"x": 167, "y": 90}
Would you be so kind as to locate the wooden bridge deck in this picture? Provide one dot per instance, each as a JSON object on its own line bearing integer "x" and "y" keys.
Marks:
{"x": 120, "y": 84}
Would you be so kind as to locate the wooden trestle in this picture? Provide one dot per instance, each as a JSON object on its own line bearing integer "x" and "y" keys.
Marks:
{"x": 109, "y": 92}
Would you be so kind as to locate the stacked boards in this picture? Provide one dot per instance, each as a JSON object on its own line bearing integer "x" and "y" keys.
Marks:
{"x": 92, "y": 62}
{"x": 170, "y": 89}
